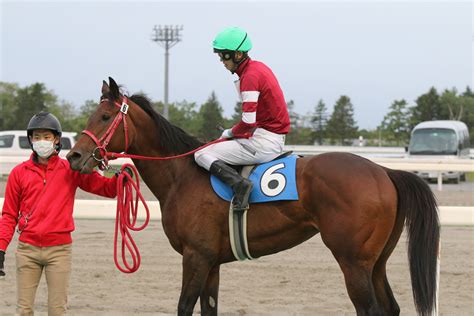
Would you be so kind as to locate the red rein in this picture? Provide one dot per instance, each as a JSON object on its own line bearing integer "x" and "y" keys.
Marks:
{"x": 127, "y": 208}
{"x": 127, "y": 205}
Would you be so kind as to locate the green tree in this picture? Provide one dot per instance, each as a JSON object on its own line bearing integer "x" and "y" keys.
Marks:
{"x": 452, "y": 107}
{"x": 66, "y": 114}
{"x": 428, "y": 107}
{"x": 467, "y": 101}
{"x": 79, "y": 122}
{"x": 8, "y": 94}
{"x": 319, "y": 122}
{"x": 300, "y": 130}
{"x": 237, "y": 115}
{"x": 395, "y": 124}
{"x": 292, "y": 136}
{"x": 468, "y": 92}
{"x": 31, "y": 100}
{"x": 211, "y": 117}
{"x": 184, "y": 115}
{"x": 341, "y": 126}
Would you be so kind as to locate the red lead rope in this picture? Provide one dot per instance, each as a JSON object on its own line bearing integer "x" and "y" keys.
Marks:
{"x": 127, "y": 208}
{"x": 127, "y": 212}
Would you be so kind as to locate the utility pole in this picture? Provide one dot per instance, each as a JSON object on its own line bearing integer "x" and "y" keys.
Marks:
{"x": 167, "y": 36}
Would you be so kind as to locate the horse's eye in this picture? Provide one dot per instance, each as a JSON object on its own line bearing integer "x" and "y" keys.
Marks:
{"x": 105, "y": 117}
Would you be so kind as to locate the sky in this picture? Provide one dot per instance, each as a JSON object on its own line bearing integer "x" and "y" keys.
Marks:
{"x": 375, "y": 52}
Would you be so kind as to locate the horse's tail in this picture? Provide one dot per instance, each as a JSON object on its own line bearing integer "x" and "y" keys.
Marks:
{"x": 417, "y": 201}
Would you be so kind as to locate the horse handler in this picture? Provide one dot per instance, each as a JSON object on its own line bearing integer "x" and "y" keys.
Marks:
{"x": 39, "y": 201}
{"x": 260, "y": 135}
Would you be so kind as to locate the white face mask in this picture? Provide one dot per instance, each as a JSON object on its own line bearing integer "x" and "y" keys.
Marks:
{"x": 44, "y": 148}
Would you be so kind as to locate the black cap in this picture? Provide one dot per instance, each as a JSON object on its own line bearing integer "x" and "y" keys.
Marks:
{"x": 44, "y": 120}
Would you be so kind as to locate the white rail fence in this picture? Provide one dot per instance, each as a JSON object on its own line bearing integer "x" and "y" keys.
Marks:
{"x": 106, "y": 209}
{"x": 391, "y": 157}
{"x": 392, "y": 152}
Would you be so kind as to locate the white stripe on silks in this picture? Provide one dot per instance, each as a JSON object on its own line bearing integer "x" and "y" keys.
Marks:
{"x": 250, "y": 96}
{"x": 249, "y": 117}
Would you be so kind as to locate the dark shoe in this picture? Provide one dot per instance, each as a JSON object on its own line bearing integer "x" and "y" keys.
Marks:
{"x": 242, "y": 191}
{"x": 241, "y": 186}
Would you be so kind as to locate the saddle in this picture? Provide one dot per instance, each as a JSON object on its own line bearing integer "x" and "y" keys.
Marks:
{"x": 246, "y": 170}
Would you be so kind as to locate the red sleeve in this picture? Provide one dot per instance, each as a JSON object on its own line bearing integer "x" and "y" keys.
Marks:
{"x": 250, "y": 92}
{"x": 10, "y": 210}
{"x": 97, "y": 184}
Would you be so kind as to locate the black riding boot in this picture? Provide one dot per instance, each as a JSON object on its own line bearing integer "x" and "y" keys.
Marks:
{"x": 239, "y": 184}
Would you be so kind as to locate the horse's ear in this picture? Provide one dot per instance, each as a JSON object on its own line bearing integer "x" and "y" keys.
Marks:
{"x": 114, "y": 88}
{"x": 105, "y": 88}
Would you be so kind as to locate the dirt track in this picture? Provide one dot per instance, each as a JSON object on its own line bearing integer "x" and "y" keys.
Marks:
{"x": 305, "y": 280}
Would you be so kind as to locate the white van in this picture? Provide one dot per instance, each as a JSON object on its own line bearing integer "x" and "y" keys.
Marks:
{"x": 440, "y": 139}
{"x": 15, "y": 148}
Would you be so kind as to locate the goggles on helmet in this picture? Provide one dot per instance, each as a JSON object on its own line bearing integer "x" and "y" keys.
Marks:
{"x": 226, "y": 55}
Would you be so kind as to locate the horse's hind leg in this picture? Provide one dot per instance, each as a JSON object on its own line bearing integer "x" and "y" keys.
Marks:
{"x": 209, "y": 295}
{"x": 358, "y": 277}
{"x": 382, "y": 287}
{"x": 384, "y": 292}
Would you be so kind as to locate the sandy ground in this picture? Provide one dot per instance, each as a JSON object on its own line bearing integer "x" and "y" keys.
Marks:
{"x": 305, "y": 280}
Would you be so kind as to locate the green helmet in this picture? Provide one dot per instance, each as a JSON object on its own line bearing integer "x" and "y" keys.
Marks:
{"x": 232, "y": 39}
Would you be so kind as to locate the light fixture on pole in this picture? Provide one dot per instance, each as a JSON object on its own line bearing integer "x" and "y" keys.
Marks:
{"x": 167, "y": 36}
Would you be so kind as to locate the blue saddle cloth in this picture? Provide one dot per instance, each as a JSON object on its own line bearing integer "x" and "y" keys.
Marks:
{"x": 272, "y": 181}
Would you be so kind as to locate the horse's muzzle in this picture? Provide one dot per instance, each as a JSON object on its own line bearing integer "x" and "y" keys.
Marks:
{"x": 78, "y": 162}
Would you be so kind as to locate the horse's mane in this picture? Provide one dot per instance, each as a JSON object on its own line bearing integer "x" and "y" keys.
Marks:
{"x": 172, "y": 139}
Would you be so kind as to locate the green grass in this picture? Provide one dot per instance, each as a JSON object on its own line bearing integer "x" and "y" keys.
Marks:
{"x": 470, "y": 176}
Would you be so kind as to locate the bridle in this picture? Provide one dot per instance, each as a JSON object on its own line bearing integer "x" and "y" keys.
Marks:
{"x": 127, "y": 203}
{"x": 105, "y": 139}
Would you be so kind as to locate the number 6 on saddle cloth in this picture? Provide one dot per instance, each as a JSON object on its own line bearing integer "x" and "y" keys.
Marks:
{"x": 273, "y": 181}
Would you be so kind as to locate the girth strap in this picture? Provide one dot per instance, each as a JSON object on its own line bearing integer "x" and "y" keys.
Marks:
{"x": 238, "y": 227}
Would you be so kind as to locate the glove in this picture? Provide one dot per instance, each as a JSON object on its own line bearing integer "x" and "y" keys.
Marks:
{"x": 129, "y": 171}
{"x": 2, "y": 260}
{"x": 227, "y": 133}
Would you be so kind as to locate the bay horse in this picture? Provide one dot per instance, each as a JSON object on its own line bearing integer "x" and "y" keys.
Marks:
{"x": 359, "y": 208}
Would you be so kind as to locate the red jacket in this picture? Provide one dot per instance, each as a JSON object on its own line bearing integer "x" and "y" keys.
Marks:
{"x": 48, "y": 193}
{"x": 263, "y": 103}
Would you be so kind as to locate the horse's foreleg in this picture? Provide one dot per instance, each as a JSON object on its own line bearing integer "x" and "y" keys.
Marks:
{"x": 195, "y": 272}
{"x": 209, "y": 295}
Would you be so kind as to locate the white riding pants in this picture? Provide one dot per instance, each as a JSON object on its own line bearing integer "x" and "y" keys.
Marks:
{"x": 263, "y": 146}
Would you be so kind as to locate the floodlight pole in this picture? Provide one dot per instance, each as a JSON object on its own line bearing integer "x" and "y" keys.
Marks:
{"x": 167, "y": 36}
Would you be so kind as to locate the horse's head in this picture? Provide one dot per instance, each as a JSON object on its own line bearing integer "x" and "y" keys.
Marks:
{"x": 108, "y": 129}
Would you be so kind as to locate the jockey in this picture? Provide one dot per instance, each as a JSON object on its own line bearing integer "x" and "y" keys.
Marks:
{"x": 260, "y": 134}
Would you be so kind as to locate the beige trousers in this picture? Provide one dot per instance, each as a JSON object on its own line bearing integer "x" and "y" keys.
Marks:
{"x": 30, "y": 262}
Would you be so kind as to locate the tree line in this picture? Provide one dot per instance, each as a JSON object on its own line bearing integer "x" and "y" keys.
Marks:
{"x": 19, "y": 104}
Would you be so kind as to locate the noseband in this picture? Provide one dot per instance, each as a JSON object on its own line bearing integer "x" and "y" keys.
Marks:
{"x": 105, "y": 139}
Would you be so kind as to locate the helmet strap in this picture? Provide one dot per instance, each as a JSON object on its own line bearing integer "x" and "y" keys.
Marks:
{"x": 238, "y": 62}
